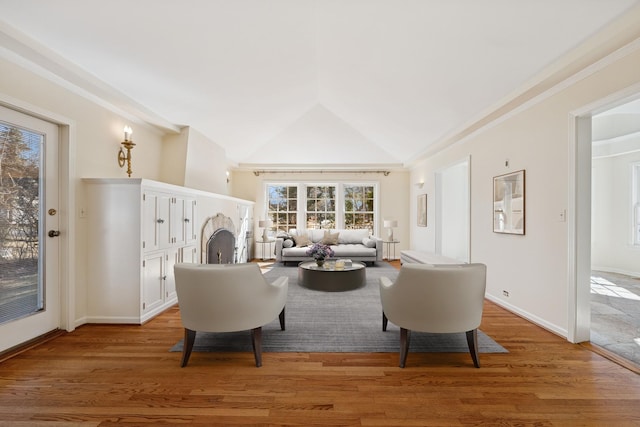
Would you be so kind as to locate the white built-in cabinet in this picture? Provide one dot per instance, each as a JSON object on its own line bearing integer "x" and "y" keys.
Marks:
{"x": 137, "y": 231}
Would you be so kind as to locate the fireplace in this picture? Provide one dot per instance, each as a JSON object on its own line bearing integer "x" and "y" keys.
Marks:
{"x": 218, "y": 241}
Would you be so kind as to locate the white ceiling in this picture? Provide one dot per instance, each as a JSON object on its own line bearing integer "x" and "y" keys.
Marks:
{"x": 300, "y": 82}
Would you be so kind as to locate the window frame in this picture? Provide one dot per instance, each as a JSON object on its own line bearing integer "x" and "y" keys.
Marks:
{"x": 340, "y": 186}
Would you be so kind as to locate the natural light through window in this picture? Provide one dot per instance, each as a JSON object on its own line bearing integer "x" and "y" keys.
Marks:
{"x": 604, "y": 287}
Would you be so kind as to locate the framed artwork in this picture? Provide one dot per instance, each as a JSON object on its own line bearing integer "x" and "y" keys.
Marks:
{"x": 422, "y": 210}
{"x": 508, "y": 203}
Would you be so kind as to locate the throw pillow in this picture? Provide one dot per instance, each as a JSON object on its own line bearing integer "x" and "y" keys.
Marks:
{"x": 330, "y": 238}
{"x": 370, "y": 243}
{"x": 301, "y": 241}
{"x": 288, "y": 243}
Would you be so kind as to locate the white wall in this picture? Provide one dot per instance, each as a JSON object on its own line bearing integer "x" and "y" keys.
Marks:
{"x": 532, "y": 268}
{"x": 612, "y": 248}
{"x": 192, "y": 160}
{"x": 206, "y": 164}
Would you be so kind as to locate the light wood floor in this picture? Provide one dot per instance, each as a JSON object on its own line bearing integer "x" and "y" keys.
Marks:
{"x": 103, "y": 375}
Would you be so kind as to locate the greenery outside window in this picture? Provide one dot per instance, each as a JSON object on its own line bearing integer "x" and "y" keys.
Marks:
{"x": 359, "y": 206}
{"x": 321, "y": 206}
{"x": 282, "y": 206}
{"x": 313, "y": 206}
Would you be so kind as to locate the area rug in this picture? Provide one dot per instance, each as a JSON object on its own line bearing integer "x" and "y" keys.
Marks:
{"x": 346, "y": 322}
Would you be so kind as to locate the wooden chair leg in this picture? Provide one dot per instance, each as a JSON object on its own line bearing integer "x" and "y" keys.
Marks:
{"x": 405, "y": 337}
{"x": 256, "y": 342}
{"x": 281, "y": 317}
{"x": 385, "y": 321}
{"x": 187, "y": 346}
{"x": 472, "y": 342}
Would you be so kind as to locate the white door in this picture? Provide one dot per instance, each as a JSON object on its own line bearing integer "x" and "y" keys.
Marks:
{"x": 29, "y": 212}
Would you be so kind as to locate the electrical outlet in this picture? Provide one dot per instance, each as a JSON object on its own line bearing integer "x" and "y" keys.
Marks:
{"x": 505, "y": 293}
{"x": 562, "y": 217}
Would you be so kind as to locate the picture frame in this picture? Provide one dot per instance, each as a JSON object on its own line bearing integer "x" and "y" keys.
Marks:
{"x": 422, "y": 210}
{"x": 509, "y": 203}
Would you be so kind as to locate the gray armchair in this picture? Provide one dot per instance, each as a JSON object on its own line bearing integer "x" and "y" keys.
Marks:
{"x": 435, "y": 299}
{"x": 227, "y": 298}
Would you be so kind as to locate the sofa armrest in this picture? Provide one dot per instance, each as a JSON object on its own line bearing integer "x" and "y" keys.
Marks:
{"x": 379, "y": 250}
{"x": 278, "y": 249}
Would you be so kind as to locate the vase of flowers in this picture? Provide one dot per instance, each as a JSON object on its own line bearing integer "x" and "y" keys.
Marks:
{"x": 320, "y": 252}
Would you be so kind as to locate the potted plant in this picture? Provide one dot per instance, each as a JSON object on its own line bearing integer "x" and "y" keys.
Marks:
{"x": 320, "y": 252}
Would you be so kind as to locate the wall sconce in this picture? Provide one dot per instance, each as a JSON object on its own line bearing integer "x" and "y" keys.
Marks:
{"x": 128, "y": 144}
{"x": 420, "y": 184}
{"x": 390, "y": 224}
{"x": 227, "y": 177}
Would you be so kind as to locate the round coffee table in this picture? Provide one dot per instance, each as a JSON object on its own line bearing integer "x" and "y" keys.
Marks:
{"x": 329, "y": 279}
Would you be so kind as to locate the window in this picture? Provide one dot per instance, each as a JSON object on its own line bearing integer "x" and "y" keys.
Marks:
{"x": 321, "y": 206}
{"x": 358, "y": 206}
{"x": 335, "y": 205}
{"x": 282, "y": 206}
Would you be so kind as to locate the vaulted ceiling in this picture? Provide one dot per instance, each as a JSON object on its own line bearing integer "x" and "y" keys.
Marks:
{"x": 303, "y": 82}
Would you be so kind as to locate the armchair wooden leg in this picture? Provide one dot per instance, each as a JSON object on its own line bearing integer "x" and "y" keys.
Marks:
{"x": 281, "y": 317}
{"x": 472, "y": 342}
{"x": 385, "y": 321}
{"x": 405, "y": 337}
{"x": 256, "y": 342}
{"x": 187, "y": 346}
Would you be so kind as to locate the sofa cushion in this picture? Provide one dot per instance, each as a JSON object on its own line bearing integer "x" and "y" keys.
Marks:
{"x": 353, "y": 236}
{"x": 353, "y": 250}
{"x": 370, "y": 243}
{"x": 330, "y": 238}
{"x": 301, "y": 241}
{"x": 316, "y": 235}
{"x": 288, "y": 243}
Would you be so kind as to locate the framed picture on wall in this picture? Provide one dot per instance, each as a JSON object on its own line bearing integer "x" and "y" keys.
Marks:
{"x": 422, "y": 210}
{"x": 508, "y": 203}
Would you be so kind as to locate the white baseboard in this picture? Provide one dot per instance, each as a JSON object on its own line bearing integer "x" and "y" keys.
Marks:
{"x": 111, "y": 319}
{"x": 530, "y": 317}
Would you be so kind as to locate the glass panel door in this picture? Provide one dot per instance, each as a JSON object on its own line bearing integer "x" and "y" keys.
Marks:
{"x": 29, "y": 300}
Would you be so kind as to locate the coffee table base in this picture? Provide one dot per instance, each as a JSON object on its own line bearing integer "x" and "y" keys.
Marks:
{"x": 320, "y": 279}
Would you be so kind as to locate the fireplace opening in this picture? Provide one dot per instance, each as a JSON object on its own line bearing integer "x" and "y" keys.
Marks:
{"x": 221, "y": 247}
{"x": 218, "y": 243}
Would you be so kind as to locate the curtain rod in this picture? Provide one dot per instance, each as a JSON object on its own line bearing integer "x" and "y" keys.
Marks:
{"x": 262, "y": 172}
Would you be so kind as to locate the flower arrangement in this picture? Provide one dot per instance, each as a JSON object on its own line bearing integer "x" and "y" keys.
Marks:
{"x": 320, "y": 251}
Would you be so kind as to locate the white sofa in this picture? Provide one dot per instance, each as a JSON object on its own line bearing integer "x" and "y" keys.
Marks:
{"x": 356, "y": 245}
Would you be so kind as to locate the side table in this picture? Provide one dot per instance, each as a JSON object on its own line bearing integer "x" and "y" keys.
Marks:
{"x": 388, "y": 244}
{"x": 262, "y": 244}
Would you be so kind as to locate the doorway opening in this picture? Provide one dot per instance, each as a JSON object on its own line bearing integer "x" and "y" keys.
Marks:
{"x": 615, "y": 231}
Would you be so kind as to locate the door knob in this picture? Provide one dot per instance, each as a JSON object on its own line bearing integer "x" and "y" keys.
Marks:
{"x": 53, "y": 233}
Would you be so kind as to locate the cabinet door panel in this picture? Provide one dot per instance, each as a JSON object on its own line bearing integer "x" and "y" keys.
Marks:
{"x": 189, "y": 254}
{"x": 174, "y": 256}
{"x": 178, "y": 220}
{"x": 150, "y": 238}
{"x": 163, "y": 220}
{"x": 153, "y": 281}
{"x": 191, "y": 228}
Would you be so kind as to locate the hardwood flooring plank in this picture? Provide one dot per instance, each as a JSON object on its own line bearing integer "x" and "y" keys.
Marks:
{"x": 124, "y": 375}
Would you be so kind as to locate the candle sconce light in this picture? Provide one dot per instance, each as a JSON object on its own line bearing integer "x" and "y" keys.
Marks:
{"x": 128, "y": 144}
